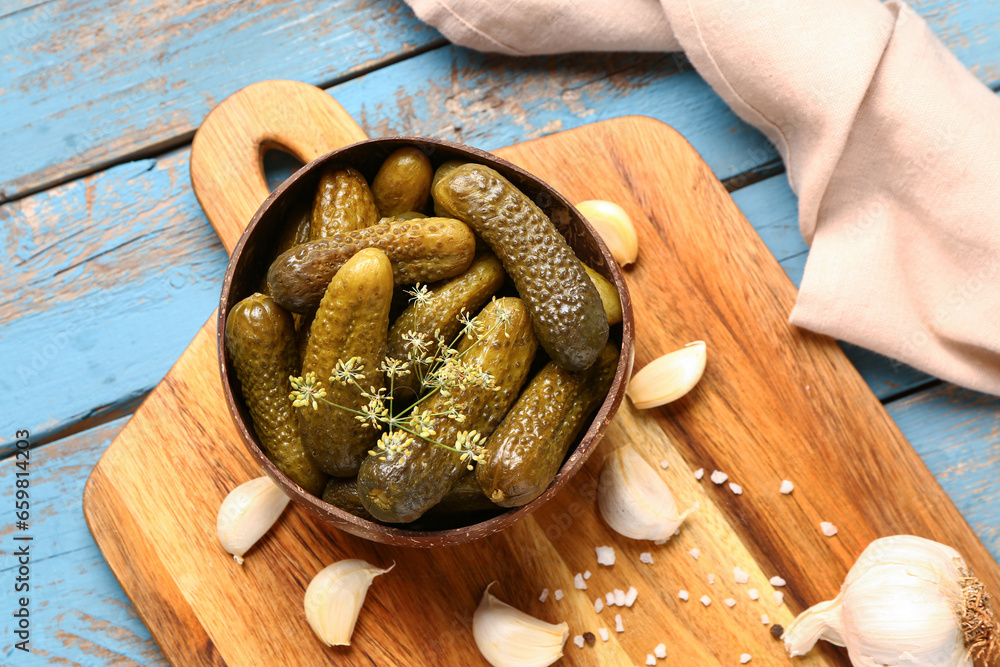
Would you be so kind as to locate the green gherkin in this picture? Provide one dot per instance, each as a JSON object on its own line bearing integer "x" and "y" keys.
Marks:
{"x": 423, "y": 250}
{"x": 260, "y": 343}
{"x": 440, "y": 312}
{"x": 343, "y": 203}
{"x": 352, "y": 321}
{"x": 400, "y": 489}
{"x": 403, "y": 182}
{"x": 564, "y": 304}
{"x": 526, "y": 451}
{"x": 465, "y": 496}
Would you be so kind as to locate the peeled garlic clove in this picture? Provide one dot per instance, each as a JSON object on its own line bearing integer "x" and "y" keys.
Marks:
{"x": 668, "y": 378}
{"x": 247, "y": 513}
{"x": 507, "y": 637}
{"x": 635, "y": 501}
{"x": 334, "y": 599}
{"x": 614, "y": 226}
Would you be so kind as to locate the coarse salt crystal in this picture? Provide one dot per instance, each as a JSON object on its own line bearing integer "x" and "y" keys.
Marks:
{"x": 604, "y": 634}
{"x": 705, "y": 600}
{"x": 779, "y": 597}
{"x": 664, "y": 464}
{"x": 695, "y": 554}
{"x": 719, "y": 477}
{"x": 828, "y": 528}
{"x": 609, "y": 599}
{"x": 578, "y": 582}
{"x": 650, "y": 660}
{"x": 619, "y": 627}
{"x": 660, "y": 651}
{"x": 646, "y": 557}
{"x": 777, "y": 581}
{"x": 578, "y": 640}
{"x": 736, "y": 489}
{"x": 683, "y": 595}
{"x": 598, "y": 605}
{"x": 730, "y": 602}
{"x": 619, "y": 597}
{"x": 544, "y": 596}
{"x": 663, "y": 541}
{"x": 631, "y": 596}
{"x": 753, "y": 593}
{"x": 711, "y": 579}
{"x": 605, "y": 556}
{"x": 740, "y": 576}
{"x": 559, "y": 594}
{"x": 786, "y": 487}
{"x": 764, "y": 619}
{"x": 699, "y": 473}
{"x": 586, "y": 575}
{"x": 745, "y": 658}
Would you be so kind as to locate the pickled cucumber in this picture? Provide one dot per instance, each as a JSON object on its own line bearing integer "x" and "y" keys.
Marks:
{"x": 565, "y": 307}
{"x": 343, "y": 203}
{"x": 526, "y": 451}
{"x": 403, "y": 182}
{"x": 465, "y": 496}
{"x": 440, "y": 312}
{"x": 260, "y": 343}
{"x": 352, "y": 321}
{"x": 439, "y": 173}
{"x": 295, "y": 227}
{"x": 420, "y": 251}
{"x": 401, "y": 488}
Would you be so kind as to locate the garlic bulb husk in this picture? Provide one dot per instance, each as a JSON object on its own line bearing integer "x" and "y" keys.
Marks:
{"x": 507, "y": 637}
{"x": 614, "y": 226}
{"x": 903, "y": 603}
{"x": 668, "y": 378}
{"x": 635, "y": 501}
{"x": 334, "y": 599}
{"x": 247, "y": 513}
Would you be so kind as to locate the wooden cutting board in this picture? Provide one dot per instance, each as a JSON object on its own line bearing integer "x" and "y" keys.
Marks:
{"x": 775, "y": 403}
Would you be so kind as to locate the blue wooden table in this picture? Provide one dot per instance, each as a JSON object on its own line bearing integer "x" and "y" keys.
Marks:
{"x": 110, "y": 267}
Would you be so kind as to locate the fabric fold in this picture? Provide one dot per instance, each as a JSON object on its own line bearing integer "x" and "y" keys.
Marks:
{"x": 890, "y": 143}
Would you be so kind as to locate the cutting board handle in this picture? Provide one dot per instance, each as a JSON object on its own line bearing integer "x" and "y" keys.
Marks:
{"x": 227, "y": 153}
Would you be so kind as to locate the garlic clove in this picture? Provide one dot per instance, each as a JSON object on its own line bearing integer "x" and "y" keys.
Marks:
{"x": 668, "y": 378}
{"x": 247, "y": 513}
{"x": 906, "y": 601}
{"x": 635, "y": 501}
{"x": 614, "y": 226}
{"x": 507, "y": 637}
{"x": 334, "y": 598}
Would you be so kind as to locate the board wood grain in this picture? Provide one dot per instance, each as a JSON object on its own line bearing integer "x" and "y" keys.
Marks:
{"x": 775, "y": 403}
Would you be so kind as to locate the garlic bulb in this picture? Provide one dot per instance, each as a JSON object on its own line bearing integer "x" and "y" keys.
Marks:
{"x": 668, "y": 378}
{"x": 906, "y": 601}
{"x": 247, "y": 513}
{"x": 334, "y": 599}
{"x": 635, "y": 501}
{"x": 614, "y": 226}
{"x": 507, "y": 637}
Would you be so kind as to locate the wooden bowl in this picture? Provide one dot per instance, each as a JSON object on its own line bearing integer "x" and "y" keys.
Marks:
{"x": 254, "y": 252}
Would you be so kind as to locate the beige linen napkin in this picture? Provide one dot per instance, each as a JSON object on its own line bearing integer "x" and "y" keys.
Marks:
{"x": 891, "y": 144}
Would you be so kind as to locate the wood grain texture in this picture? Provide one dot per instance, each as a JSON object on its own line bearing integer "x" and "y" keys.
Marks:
{"x": 227, "y": 154}
{"x": 112, "y": 274}
{"x": 88, "y": 83}
{"x": 86, "y": 619}
{"x": 774, "y": 403}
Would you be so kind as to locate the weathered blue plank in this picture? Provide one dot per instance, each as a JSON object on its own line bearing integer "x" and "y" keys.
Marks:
{"x": 86, "y": 82}
{"x": 79, "y": 614}
{"x": 110, "y": 277}
{"x": 772, "y": 208}
{"x": 957, "y": 433}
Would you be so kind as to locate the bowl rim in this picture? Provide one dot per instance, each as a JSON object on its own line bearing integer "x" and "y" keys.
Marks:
{"x": 389, "y": 534}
